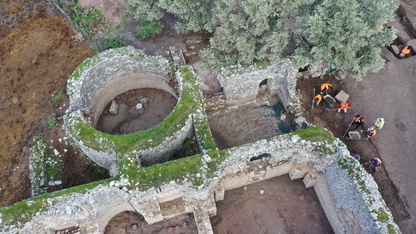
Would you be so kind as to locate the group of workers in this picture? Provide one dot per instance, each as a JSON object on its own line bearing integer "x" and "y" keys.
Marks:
{"x": 358, "y": 122}
{"x": 323, "y": 91}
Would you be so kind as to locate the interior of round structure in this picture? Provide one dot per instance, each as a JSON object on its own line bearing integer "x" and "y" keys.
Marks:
{"x": 136, "y": 110}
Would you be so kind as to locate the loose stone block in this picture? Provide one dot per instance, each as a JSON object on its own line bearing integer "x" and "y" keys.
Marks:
{"x": 114, "y": 107}
{"x": 395, "y": 49}
{"x": 310, "y": 180}
{"x": 340, "y": 75}
{"x": 342, "y": 96}
{"x": 412, "y": 43}
{"x": 219, "y": 193}
{"x": 298, "y": 171}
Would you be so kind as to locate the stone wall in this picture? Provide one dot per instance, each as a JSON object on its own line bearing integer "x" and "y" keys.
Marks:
{"x": 97, "y": 81}
{"x": 241, "y": 85}
{"x": 347, "y": 193}
{"x": 345, "y": 205}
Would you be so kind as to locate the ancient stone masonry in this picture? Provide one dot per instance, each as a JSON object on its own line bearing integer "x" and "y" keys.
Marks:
{"x": 97, "y": 81}
{"x": 241, "y": 85}
{"x": 349, "y": 195}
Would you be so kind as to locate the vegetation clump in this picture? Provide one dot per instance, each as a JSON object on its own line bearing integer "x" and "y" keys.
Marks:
{"x": 112, "y": 42}
{"x": 87, "y": 19}
{"x": 148, "y": 28}
{"x": 345, "y": 34}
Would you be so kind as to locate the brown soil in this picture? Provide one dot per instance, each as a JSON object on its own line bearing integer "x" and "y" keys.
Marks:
{"x": 338, "y": 124}
{"x": 37, "y": 56}
{"x": 277, "y": 205}
{"x": 157, "y": 105}
{"x": 132, "y": 222}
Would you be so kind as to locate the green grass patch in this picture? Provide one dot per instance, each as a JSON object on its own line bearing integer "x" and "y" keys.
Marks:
{"x": 86, "y": 19}
{"x": 52, "y": 120}
{"x": 112, "y": 42}
{"x": 58, "y": 97}
{"x": 147, "y": 28}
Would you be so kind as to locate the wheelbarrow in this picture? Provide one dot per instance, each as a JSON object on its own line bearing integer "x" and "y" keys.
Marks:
{"x": 357, "y": 135}
{"x": 329, "y": 100}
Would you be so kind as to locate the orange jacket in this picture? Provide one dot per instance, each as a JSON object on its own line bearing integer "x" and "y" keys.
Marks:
{"x": 326, "y": 86}
{"x": 371, "y": 131}
{"x": 344, "y": 105}
{"x": 318, "y": 98}
{"x": 406, "y": 50}
{"x": 358, "y": 119}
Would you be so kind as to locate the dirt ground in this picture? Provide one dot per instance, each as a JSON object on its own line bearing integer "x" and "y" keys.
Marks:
{"x": 277, "y": 205}
{"x": 157, "y": 104}
{"x": 338, "y": 123}
{"x": 133, "y": 223}
{"x": 37, "y": 56}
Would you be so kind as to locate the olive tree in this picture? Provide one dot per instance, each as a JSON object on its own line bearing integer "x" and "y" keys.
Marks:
{"x": 248, "y": 30}
{"x": 191, "y": 15}
{"x": 348, "y": 34}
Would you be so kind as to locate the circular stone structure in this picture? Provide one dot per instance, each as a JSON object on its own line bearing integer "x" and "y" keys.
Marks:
{"x": 125, "y": 114}
{"x": 95, "y": 84}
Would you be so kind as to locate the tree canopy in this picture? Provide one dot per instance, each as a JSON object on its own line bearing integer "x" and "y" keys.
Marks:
{"x": 344, "y": 33}
{"x": 347, "y": 34}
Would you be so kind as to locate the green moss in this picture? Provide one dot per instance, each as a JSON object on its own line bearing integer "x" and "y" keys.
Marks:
{"x": 391, "y": 229}
{"x": 382, "y": 216}
{"x": 22, "y": 212}
{"x": 156, "y": 175}
{"x": 316, "y": 134}
{"x": 261, "y": 63}
{"x": 77, "y": 73}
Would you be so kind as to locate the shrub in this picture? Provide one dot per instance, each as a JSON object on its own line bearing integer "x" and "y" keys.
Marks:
{"x": 111, "y": 43}
{"x": 85, "y": 19}
{"x": 52, "y": 120}
{"x": 148, "y": 28}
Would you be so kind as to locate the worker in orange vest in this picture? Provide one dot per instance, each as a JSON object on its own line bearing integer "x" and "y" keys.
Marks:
{"x": 405, "y": 51}
{"x": 324, "y": 88}
{"x": 358, "y": 122}
{"x": 318, "y": 99}
{"x": 371, "y": 131}
{"x": 344, "y": 106}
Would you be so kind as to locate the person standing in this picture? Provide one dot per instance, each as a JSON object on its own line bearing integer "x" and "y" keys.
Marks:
{"x": 374, "y": 163}
{"x": 358, "y": 122}
{"x": 371, "y": 131}
{"x": 379, "y": 123}
{"x": 344, "y": 106}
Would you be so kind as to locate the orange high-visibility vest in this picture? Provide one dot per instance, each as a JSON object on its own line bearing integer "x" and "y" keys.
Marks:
{"x": 373, "y": 131}
{"x": 358, "y": 119}
{"x": 344, "y": 105}
{"x": 325, "y": 86}
{"x": 406, "y": 50}
{"x": 318, "y": 98}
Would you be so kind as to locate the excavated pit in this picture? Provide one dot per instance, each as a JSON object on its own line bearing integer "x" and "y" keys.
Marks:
{"x": 138, "y": 110}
